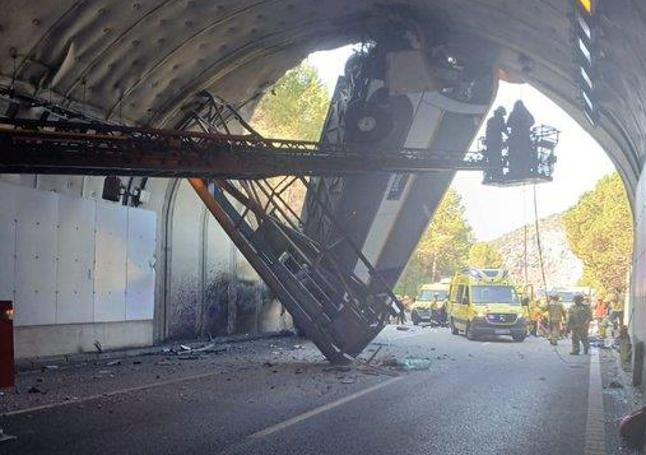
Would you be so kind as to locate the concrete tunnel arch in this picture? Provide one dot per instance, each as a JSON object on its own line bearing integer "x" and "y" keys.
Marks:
{"x": 137, "y": 62}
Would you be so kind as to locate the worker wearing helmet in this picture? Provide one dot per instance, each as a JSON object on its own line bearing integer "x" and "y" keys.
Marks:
{"x": 494, "y": 139}
{"x": 555, "y": 317}
{"x": 579, "y": 317}
{"x": 616, "y": 311}
{"x": 520, "y": 151}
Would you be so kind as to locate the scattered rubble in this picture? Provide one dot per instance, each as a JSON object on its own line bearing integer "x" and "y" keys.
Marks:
{"x": 36, "y": 389}
{"x": 97, "y": 345}
{"x": 113, "y": 363}
{"x": 339, "y": 368}
{"x": 407, "y": 363}
{"x": 403, "y": 328}
{"x": 615, "y": 385}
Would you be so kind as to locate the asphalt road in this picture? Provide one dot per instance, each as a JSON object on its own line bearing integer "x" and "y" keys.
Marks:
{"x": 484, "y": 397}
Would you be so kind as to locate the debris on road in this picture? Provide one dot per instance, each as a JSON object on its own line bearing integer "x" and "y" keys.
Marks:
{"x": 403, "y": 328}
{"x": 347, "y": 380}
{"x": 183, "y": 347}
{"x": 36, "y": 389}
{"x": 408, "y": 363}
{"x": 374, "y": 354}
{"x": 97, "y": 345}
{"x": 113, "y": 363}
{"x": 615, "y": 385}
{"x": 339, "y": 368}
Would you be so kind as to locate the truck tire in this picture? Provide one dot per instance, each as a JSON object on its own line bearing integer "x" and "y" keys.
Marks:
{"x": 469, "y": 333}
{"x": 454, "y": 329}
{"x": 367, "y": 122}
{"x": 519, "y": 338}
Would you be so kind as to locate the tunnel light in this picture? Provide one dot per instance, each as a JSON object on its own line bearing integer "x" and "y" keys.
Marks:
{"x": 587, "y": 6}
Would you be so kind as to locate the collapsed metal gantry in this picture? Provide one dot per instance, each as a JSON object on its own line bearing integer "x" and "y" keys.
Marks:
{"x": 337, "y": 310}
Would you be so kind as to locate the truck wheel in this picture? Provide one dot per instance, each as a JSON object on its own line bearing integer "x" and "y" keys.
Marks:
{"x": 454, "y": 329}
{"x": 367, "y": 122}
{"x": 518, "y": 338}
{"x": 469, "y": 333}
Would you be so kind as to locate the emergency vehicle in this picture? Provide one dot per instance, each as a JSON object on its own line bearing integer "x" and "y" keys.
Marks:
{"x": 485, "y": 302}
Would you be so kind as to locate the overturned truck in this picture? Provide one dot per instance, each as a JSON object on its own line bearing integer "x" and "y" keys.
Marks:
{"x": 333, "y": 263}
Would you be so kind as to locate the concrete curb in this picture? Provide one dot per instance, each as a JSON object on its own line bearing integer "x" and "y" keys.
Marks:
{"x": 27, "y": 365}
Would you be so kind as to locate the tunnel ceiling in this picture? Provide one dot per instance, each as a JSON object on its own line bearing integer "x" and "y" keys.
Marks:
{"x": 139, "y": 61}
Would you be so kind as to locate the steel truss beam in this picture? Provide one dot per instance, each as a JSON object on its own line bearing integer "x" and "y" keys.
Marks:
{"x": 81, "y": 148}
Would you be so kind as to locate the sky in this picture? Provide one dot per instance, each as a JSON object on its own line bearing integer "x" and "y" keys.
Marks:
{"x": 493, "y": 211}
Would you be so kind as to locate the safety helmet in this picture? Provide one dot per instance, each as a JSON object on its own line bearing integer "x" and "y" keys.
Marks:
{"x": 500, "y": 110}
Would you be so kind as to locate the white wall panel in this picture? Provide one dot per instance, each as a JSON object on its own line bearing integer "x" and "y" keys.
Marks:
{"x": 36, "y": 245}
{"x": 75, "y": 276}
{"x": 140, "y": 290}
{"x": 110, "y": 267}
{"x": 7, "y": 240}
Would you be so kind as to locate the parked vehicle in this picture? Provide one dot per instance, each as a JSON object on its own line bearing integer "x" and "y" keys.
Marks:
{"x": 430, "y": 304}
{"x": 485, "y": 302}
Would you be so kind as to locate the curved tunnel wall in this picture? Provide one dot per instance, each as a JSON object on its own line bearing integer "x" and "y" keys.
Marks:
{"x": 138, "y": 61}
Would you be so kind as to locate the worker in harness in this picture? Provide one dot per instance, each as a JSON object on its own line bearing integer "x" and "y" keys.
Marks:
{"x": 520, "y": 153}
{"x": 494, "y": 139}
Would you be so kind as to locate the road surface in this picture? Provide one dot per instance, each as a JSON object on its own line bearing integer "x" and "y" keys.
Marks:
{"x": 279, "y": 397}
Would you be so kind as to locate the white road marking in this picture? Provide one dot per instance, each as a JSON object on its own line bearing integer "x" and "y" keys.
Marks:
{"x": 314, "y": 412}
{"x": 106, "y": 395}
{"x": 595, "y": 431}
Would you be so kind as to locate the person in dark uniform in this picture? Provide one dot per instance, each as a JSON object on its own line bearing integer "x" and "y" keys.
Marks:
{"x": 520, "y": 124}
{"x": 494, "y": 139}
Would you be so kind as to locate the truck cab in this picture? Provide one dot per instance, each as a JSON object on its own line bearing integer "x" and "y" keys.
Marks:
{"x": 485, "y": 302}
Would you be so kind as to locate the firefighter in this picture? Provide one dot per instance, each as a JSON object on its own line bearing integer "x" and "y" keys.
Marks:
{"x": 536, "y": 315}
{"x": 616, "y": 312}
{"x": 579, "y": 317}
{"x": 555, "y": 317}
{"x": 520, "y": 153}
{"x": 494, "y": 139}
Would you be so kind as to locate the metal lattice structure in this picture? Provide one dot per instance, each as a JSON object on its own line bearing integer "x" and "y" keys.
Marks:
{"x": 335, "y": 309}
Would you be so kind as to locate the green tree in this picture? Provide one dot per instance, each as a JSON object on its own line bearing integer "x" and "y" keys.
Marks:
{"x": 295, "y": 107}
{"x": 443, "y": 248}
{"x": 485, "y": 255}
{"x": 599, "y": 230}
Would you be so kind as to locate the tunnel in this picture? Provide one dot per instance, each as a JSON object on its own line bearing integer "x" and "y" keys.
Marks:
{"x": 158, "y": 266}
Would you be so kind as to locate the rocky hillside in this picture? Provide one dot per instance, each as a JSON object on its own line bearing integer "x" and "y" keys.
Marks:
{"x": 562, "y": 267}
